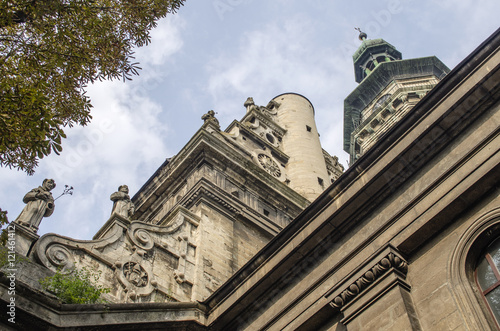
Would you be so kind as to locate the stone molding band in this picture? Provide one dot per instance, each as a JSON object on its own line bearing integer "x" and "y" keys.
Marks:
{"x": 391, "y": 260}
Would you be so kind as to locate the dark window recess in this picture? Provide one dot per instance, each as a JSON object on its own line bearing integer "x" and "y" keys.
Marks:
{"x": 266, "y": 212}
{"x": 321, "y": 182}
{"x": 270, "y": 138}
{"x": 308, "y": 128}
{"x": 488, "y": 278}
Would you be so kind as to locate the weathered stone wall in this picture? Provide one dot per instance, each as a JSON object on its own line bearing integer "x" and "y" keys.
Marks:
{"x": 226, "y": 245}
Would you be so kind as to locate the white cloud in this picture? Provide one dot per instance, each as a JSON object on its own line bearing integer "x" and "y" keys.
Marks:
{"x": 165, "y": 41}
{"x": 283, "y": 56}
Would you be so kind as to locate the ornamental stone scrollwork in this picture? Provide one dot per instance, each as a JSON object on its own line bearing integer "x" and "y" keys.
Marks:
{"x": 60, "y": 253}
{"x": 269, "y": 165}
{"x": 60, "y": 258}
{"x": 141, "y": 238}
{"x": 135, "y": 274}
{"x": 368, "y": 278}
{"x": 180, "y": 273}
{"x": 140, "y": 234}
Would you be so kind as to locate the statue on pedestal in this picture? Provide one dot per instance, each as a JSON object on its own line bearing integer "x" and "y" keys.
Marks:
{"x": 39, "y": 203}
{"x": 123, "y": 206}
{"x": 210, "y": 117}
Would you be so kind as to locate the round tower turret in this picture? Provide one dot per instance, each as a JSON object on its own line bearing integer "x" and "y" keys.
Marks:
{"x": 306, "y": 168}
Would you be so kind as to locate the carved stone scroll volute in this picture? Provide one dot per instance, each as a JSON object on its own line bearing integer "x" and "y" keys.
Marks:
{"x": 60, "y": 258}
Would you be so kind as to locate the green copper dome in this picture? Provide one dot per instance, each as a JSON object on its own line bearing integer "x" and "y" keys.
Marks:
{"x": 370, "y": 54}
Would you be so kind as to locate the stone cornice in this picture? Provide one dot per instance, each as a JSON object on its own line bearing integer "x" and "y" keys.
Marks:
{"x": 262, "y": 141}
{"x": 226, "y": 204}
{"x": 212, "y": 148}
{"x": 266, "y": 119}
{"x": 50, "y": 313}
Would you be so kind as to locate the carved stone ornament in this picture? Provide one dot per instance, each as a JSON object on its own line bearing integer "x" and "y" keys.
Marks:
{"x": 60, "y": 257}
{"x": 269, "y": 165}
{"x": 58, "y": 253}
{"x": 369, "y": 277}
{"x": 135, "y": 274}
{"x": 140, "y": 234}
{"x": 125, "y": 254}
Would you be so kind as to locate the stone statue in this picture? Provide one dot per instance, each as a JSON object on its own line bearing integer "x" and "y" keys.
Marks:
{"x": 210, "y": 116}
{"x": 271, "y": 107}
{"x": 39, "y": 203}
{"x": 123, "y": 206}
{"x": 249, "y": 103}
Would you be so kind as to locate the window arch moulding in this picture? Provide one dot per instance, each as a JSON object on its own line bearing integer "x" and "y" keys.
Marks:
{"x": 478, "y": 236}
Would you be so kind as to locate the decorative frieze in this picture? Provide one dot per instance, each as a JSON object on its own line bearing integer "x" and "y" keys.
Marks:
{"x": 390, "y": 261}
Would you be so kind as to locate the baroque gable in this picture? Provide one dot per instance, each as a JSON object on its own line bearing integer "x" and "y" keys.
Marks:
{"x": 137, "y": 261}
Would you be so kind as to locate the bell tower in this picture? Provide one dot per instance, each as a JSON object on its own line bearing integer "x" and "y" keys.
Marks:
{"x": 388, "y": 88}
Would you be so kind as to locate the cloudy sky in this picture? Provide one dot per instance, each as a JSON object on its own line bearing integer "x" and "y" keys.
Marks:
{"x": 213, "y": 54}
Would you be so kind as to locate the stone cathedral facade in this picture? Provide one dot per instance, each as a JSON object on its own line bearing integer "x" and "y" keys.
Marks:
{"x": 207, "y": 210}
{"x": 256, "y": 227}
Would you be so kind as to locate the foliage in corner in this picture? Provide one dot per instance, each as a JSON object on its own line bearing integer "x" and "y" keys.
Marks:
{"x": 49, "y": 51}
{"x": 78, "y": 286}
{"x": 10, "y": 259}
{"x": 4, "y": 221}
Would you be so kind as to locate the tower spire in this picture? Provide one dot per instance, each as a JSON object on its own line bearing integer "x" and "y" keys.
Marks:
{"x": 388, "y": 88}
{"x": 362, "y": 35}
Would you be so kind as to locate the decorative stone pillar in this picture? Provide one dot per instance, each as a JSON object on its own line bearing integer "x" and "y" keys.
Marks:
{"x": 24, "y": 239}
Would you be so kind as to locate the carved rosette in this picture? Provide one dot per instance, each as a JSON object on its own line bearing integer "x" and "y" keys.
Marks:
{"x": 269, "y": 165}
{"x": 369, "y": 277}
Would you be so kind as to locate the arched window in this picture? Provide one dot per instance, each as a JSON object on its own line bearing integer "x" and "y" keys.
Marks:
{"x": 472, "y": 278}
{"x": 488, "y": 277}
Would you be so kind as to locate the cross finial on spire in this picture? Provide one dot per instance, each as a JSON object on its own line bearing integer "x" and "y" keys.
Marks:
{"x": 362, "y": 35}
